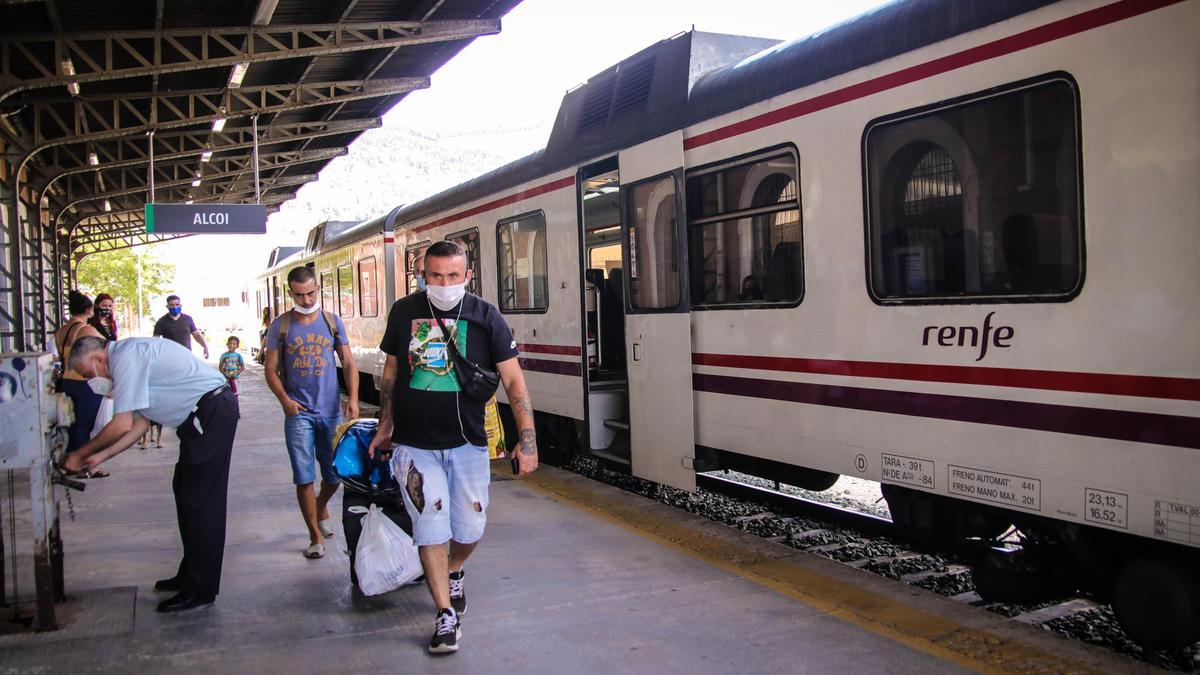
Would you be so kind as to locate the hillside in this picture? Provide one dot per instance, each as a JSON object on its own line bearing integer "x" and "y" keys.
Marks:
{"x": 399, "y": 165}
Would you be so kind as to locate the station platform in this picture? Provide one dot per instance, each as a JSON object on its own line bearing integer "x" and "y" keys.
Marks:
{"x": 572, "y": 576}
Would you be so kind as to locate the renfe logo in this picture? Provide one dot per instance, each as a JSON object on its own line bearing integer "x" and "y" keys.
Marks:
{"x": 951, "y": 336}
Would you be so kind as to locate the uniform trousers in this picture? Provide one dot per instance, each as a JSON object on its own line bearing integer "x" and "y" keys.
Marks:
{"x": 201, "y": 486}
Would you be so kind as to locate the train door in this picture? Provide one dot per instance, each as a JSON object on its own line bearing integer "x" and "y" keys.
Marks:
{"x": 606, "y": 409}
{"x": 658, "y": 330}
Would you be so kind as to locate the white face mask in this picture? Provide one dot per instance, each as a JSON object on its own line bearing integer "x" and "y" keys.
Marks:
{"x": 307, "y": 310}
{"x": 446, "y": 298}
{"x": 101, "y": 385}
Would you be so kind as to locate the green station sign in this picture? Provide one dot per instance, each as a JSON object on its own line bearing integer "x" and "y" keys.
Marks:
{"x": 206, "y": 219}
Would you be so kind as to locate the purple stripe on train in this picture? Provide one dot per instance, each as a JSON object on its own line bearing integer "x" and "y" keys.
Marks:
{"x": 1123, "y": 425}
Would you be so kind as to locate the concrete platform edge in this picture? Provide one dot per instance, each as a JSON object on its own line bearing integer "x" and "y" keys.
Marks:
{"x": 912, "y": 616}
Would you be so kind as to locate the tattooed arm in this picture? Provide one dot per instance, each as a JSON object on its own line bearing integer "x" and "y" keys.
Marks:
{"x": 383, "y": 433}
{"x": 522, "y": 409}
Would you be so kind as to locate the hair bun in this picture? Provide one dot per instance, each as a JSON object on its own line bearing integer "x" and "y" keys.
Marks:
{"x": 77, "y": 302}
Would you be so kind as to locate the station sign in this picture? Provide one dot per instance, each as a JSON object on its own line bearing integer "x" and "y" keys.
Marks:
{"x": 206, "y": 219}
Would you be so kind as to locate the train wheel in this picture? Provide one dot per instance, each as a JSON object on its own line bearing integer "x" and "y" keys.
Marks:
{"x": 1157, "y": 602}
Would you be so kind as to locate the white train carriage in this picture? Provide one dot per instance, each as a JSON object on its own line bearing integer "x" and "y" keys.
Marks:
{"x": 948, "y": 246}
{"x": 354, "y": 266}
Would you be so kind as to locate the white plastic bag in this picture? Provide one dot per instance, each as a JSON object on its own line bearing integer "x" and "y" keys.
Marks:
{"x": 386, "y": 557}
{"x": 104, "y": 415}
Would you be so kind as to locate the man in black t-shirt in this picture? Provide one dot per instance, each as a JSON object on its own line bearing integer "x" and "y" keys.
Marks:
{"x": 442, "y": 459}
{"x": 179, "y": 327}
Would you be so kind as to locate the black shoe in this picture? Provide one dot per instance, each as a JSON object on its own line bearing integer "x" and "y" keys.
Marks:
{"x": 184, "y": 600}
{"x": 446, "y": 633}
{"x": 458, "y": 596}
{"x": 172, "y": 584}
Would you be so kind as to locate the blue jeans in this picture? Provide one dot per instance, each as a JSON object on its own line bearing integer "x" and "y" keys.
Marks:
{"x": 445, "y": 492}
{"x": 309, "y": 441}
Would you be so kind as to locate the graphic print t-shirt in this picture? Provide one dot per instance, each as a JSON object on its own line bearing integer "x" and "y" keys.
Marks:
{"x": 231, "y": 362}
{"x": 308, "y": 359}
{"x": 425, "y": 411}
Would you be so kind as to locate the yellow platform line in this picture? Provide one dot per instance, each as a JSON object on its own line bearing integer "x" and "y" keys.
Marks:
{"x": 937, "y": 636}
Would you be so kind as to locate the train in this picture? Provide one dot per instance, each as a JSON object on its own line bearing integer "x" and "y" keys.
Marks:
{"x": 948, "y": 246}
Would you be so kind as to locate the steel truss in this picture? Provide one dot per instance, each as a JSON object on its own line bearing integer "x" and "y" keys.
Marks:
{"x": 75, "y": 169}
{"x": 120, "y": 115}
{"x": 36, "y": 61}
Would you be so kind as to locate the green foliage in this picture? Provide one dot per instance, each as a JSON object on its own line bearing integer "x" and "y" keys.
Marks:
{"x": 116, "y": 273}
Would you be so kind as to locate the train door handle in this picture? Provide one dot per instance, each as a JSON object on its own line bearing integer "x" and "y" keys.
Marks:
{"x": 637, "y": 352}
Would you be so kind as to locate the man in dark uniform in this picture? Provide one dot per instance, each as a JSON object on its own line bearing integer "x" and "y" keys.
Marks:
{"x": 158, "y": 381}
{"x": 179, "y": 327}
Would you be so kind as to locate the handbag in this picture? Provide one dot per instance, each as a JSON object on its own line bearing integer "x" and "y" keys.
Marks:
{"x": 386, "y": 557}
{"x": 476, "y": 381}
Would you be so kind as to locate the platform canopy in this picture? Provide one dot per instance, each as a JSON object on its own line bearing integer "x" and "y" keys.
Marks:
{"x": 88, "y": 87}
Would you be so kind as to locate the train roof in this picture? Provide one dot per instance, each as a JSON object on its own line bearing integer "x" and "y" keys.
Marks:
{"x": 281, "y": 254}
{"x": 696, "y": 76}
{"x": 360, "y": 231}
{"x": 877, "y": 35}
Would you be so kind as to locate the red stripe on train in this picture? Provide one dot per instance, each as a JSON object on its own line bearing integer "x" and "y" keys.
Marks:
{"x": 564, "y": 350}
{"x": 1178, "y": 388}
{"x": 497, "y": 203}
{"x": 1101, "y": 16}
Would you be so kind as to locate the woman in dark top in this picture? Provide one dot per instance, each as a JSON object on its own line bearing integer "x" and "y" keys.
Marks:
{"x": 102, "y": 319}
{"x": 87, "y": 402}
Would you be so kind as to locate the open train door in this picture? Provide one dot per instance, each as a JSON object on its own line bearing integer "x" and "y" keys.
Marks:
{"x": 658, "y": 328}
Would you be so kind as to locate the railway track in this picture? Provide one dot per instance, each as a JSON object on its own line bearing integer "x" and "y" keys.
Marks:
{"x": 867, "y": 541}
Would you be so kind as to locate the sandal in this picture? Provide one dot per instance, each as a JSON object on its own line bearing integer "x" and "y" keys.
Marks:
{"x": 326, "y": 530}
{"x": 315, "y": 551}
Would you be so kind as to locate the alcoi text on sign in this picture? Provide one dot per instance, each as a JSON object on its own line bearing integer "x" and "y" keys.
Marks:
{"x": 206, "y": 219}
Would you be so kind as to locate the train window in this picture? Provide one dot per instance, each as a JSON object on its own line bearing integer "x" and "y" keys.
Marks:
{"x": 414, "y": 266}
{"x": 978, "y": 198}
{"x": 523, "y": 270}
{"x": 368, "y": 292}
{"x": 653, "y": 245}
{"x": 345, "y": 283}
{"x": 469, "y": 241}
{"x": 744, "y": 235}
{"x": 327, "y": 291}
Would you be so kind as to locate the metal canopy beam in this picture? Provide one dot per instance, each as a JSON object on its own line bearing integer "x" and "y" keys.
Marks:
{"x": 126, "y": 114}
{"x": 211, "y": 189}
{"x": 167, "y": 174}
{"x": 171, "y": 146}
{"x": 38, "y": 61}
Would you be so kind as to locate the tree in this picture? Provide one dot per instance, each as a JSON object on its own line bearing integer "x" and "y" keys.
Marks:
{"x": 116, "y": 273}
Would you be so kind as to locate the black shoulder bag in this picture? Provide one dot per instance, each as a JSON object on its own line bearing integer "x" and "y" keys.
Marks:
{"x": 476, "y": 381}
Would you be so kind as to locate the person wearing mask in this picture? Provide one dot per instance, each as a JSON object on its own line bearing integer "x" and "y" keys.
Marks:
{"x": 74, "y": 384}
{"x": 156, "y": 380}
{"x": 179, "y": 327}
{"x": 438, "y": 432}
{"x": 103, "y": 319}
{"x": 302, "y": 374}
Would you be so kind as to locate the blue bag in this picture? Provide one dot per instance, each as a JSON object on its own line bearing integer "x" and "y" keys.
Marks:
{"x": 355, "y": 468}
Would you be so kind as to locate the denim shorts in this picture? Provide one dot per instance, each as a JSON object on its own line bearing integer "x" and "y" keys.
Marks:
{"x": 445, "y": 492}
{"x": 309, "y": 441}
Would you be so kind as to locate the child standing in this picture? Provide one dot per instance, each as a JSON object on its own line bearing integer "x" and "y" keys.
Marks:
{"x": 232, "y": 364}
